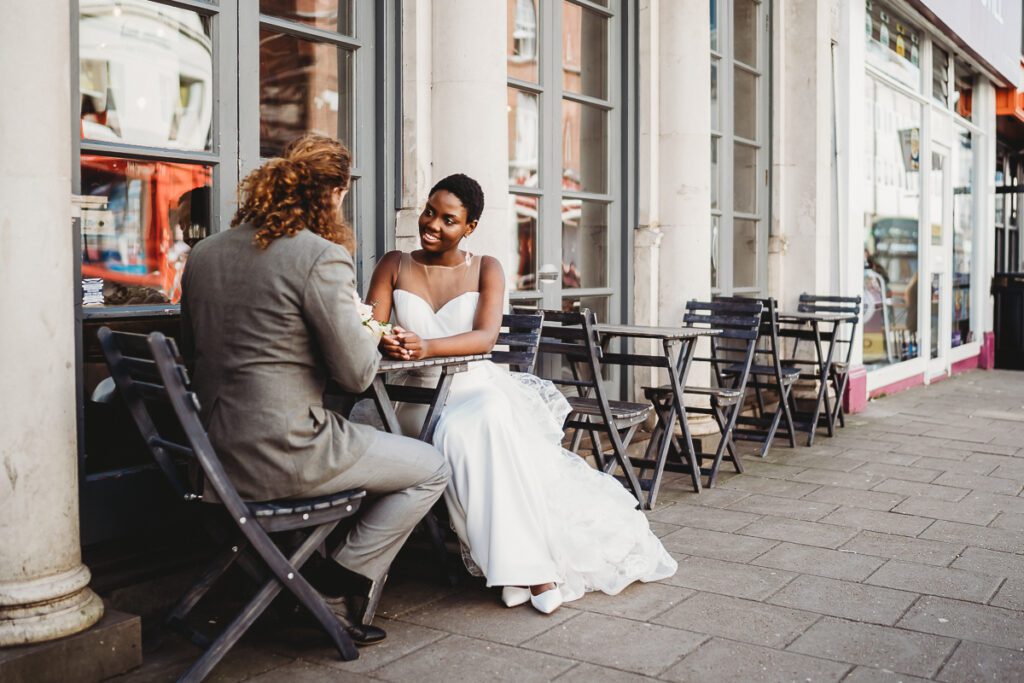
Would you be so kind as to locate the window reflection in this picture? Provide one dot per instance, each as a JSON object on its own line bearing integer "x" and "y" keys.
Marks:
{"x": 136, "y": 236}
{"x": 893, "y": 201}
{"x": 327, "y": 15}
{"x": 523, "y": 137}
{"x": 522, "y": 40}
{"x": 145, "y": 74}
{"x": 584, "y": 51}
{"x": 584, "y": 147}
{"x": 893, "y": 45}
{"x": 963, "y": 95}
{"x": 963, "y": 236}
{"x": 305, "y": 86}
{"x": 524, "y": 211}
{"x": 584, "y": 244}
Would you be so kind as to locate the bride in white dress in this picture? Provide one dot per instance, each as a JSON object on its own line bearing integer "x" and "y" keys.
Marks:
{"x": 536, "y": 519}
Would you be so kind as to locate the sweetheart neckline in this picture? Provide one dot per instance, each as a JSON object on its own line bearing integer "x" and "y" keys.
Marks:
{"x": 443, "y": 306}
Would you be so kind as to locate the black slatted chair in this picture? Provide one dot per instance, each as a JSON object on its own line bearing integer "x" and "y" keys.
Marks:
{"x": 569, "y": 340}
{"x": 734, "y": 348}
{"x": 768, "y": 375}
{"x": 147, "y": 371}
{"x": 518, "y": 341}
{"x": 842, "y": 335}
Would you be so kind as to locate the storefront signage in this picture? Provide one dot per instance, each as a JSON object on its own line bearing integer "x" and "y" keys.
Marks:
{"x": 990, "y": 28}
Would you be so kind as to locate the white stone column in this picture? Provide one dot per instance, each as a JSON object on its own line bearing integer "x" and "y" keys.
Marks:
{"x": 684, "y": 158}
{"x": 417, "y": 173}
{"x": 44, "y": 590}
{"x": 801, "y": 257}
{"x": 469, "y": 111}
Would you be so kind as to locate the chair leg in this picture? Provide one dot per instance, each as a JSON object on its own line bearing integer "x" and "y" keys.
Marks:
{"x": 448, "y": 573}
{"x": 726, "y": 424}
{"x": 175, "y": 619}
{"x": 785, "y": 405}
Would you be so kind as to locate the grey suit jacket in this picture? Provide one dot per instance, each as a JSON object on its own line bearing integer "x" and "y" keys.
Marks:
{"x": 267, "y": 328}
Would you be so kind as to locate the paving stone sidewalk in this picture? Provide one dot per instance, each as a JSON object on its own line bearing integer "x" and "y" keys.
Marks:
{"x": 892, "y": 552}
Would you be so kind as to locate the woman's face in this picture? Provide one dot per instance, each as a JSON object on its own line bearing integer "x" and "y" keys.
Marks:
{"x": 443, "y": 223}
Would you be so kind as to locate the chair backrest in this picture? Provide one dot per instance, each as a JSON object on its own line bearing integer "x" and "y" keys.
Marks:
{"x": 572, "y": 337}
{"x": 814, "y": 303}
{"x": 148, "y": 370}
{"x": 140, "y": 385}
{"x": 740, "y": 322}
{"x": 520, "y": 336}
{"x": 768, "y": 346}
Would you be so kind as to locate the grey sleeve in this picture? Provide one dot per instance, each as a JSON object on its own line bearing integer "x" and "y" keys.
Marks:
{"x": 328, "y": 306}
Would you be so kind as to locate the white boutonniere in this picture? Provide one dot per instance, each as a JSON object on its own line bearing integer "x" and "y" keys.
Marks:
{"x": 373, "y": 326}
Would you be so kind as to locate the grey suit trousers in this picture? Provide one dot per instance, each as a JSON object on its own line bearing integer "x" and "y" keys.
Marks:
{"x": 406, "y": 476}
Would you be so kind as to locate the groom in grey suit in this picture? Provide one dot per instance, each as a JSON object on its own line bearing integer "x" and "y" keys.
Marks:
{"x": 267, "y": 328}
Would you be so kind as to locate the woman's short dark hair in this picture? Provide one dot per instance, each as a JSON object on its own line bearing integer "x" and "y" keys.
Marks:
{"x": 467, "y": 190}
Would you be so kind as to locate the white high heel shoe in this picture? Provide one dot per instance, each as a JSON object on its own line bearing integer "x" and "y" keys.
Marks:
{"x": 513, "y": 596}
{"x": 548, "y": 601}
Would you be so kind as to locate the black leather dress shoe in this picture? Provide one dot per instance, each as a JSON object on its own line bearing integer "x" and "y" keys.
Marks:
{"x": 361, "y": 634}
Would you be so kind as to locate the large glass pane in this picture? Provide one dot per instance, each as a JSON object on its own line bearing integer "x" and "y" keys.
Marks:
{"x": 745, "y": 33}
{"x": 744, "y": 178}
{"x": 714, "y": 25}
{"x": 584, "y": 244}
{"x": 715, "y": 230}
{"x": 523, "y": 137}
{"x": 892, "y": 195}
{"x": 963, "y": 236}
{"x": 584, "y": 51}
{"x": 305, "y": 86}
{"x": 137, "y": 233}
{"x": 327, "y": 15}
{"x": 145, "y": 74}
{"x": 963, "y": 77}
{"x": 522, "y": 49}
{"x": 744, "y": 253}
{"x": 597, "y": 304}
{"x": 584, "y": 147}
{"x": 940, "y": 75}
{"x": 745, "y": 103}
{"x": 893, "y": 45}
{"x": 716, "y": 115}
{"x": 935, "y": 299}
{"x": 524, "y": 212}
{"x": 715, "y": 182}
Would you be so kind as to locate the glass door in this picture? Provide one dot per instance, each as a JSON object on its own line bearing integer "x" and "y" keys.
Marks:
{"x": 941, "y": 215}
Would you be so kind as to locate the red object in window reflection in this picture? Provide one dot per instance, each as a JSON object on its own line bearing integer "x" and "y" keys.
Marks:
{"x": 139, "y": 238}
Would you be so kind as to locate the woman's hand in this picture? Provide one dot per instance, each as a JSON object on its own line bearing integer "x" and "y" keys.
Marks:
{"x": 413, "y": 347}
{"x": 391, "y": 346}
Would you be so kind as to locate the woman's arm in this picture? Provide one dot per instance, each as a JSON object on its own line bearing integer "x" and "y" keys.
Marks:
{"x": 486, "y": 324}
{"x": 382, "y": 286}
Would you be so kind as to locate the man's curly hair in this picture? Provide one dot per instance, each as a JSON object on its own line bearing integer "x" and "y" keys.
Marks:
{"x": 293, "y": 192}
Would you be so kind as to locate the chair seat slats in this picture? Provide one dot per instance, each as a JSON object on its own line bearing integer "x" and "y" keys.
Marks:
{"x": 275, "y": 508}
{"x": 620, "y": 409}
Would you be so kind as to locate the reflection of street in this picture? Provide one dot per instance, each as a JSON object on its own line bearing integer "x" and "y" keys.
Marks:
{"x": 146, "y": 75}
{"x": 890, "y": 291}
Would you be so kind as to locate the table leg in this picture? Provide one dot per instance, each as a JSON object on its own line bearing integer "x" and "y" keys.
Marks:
{"x": 379, "y": 393}
{"x": 444, "y": 385}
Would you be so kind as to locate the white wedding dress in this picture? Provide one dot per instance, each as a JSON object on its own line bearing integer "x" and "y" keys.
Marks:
{"x": 528, "y": 511}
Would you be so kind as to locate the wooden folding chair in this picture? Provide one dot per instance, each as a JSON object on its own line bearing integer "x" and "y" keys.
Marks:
{"x": 570, "y": 341}
{"x": 520, "y": 338}
{"x": 147, "y": 371}
{"x": 767, "y": 374}
{"x": 840, "y": 368}
{"x": 732, "y": 354}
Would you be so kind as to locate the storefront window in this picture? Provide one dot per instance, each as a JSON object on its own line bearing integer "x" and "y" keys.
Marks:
{"x": 137, "y": 233}
{"x": 891, "y": 226}
{"x": 145, "y": 75}
{"x": 326, "y": 15}
{"x": 305, "y": 86}
{"x": 893, "y": 46}
{"x": 940, "y": 75}
{"x": 963, "y": 236}
{"x": 963, "y": 77}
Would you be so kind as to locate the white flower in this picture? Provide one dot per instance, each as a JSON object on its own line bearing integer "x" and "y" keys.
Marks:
{"x": 373, "y": 326}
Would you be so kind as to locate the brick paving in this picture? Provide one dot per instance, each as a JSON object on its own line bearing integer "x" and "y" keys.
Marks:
{"x": 892, "y": 552}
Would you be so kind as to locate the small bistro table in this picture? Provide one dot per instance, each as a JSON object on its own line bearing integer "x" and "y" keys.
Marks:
{"x": 677, "y": 364}
{"x": 824, "y": 342}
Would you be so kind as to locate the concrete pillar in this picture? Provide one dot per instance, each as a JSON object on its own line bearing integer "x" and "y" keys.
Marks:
{"x": 684, "y": 157}
{"x": 44, "y": 590}
{"x": 801, "y": 252}
{"x": 417, "y": 172}
{"x": 469, "y": 118}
